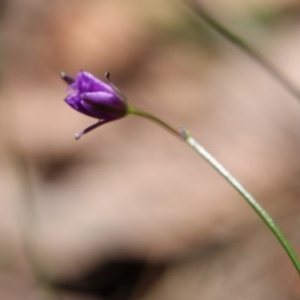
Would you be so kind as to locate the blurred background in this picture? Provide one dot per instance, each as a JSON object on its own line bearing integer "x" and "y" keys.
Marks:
{"x": 129, "y": 212}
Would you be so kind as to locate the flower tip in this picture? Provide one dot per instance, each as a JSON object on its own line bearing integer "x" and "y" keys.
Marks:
{"x": 107, "y": 75}
{"x": 67, "y": 78}
{"x": 78, "y": 135}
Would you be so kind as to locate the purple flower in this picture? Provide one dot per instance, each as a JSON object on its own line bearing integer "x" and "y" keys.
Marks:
{"x": 95, "y": 98}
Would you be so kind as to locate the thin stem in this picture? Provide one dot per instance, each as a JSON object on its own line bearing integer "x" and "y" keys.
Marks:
{"x": 134, "y": 111}
{"x": 28, "y": 224}
{"x": 200, "y": 10}
{"x": 260, "y": 211}
{"x": 246, "y": 195}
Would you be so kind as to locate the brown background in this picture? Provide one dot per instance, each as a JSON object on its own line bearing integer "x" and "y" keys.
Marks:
{"x": 129, "y": 188}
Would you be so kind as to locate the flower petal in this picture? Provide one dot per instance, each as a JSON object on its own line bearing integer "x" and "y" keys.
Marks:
{"x": 67, "y": 78}
{"x": 74, "y": 100}
{"x": 86, "y": 82}
{"x": 103, "y": 105}
{"x": 79, "y": 134}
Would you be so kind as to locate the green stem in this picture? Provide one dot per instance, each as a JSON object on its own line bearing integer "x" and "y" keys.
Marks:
{"x": 196, "y": 146}
{"x": 244, "y": 46}
{"x": 28, "y": 223}
{"x": 134, "y": 111}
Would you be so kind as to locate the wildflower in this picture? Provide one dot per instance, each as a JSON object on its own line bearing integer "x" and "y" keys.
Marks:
{"x": 95, "y": 98}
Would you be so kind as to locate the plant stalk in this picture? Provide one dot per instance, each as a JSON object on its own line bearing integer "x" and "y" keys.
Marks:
{"x": 186, "y": 137}
{"x": 206, "y": 16}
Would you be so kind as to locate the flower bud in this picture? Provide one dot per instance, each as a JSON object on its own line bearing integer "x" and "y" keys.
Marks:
{"x": 95, "y": 98}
